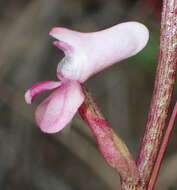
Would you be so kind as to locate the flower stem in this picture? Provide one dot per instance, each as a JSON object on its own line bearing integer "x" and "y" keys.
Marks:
{"x": 163, "y": 148}
{"x": 110, "y": 145}
{"x": 164, "y": 83}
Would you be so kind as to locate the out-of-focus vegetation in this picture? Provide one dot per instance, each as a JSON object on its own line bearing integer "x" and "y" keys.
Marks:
{"x": 70, "y": 160}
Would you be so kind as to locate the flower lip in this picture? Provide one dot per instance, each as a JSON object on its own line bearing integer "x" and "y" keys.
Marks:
{"x": 58, "y": 109}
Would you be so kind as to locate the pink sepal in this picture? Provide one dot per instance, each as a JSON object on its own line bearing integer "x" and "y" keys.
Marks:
{"x": 57, "y": 110}
{"x": 39, "y": 88}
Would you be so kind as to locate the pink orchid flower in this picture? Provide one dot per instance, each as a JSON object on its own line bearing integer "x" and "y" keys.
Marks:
{"x": 85, "y": 55}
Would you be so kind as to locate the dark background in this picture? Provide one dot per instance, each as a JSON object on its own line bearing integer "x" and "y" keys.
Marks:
{"x": 69, "y": 160}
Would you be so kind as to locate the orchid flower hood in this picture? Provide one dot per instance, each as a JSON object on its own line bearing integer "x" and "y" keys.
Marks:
{"x": 85, "y": 55}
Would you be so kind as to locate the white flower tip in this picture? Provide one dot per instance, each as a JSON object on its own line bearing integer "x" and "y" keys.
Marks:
{"x": 49, "y": 130}
{"x": 141, "y": 34}
{"x": 28, "y": 97}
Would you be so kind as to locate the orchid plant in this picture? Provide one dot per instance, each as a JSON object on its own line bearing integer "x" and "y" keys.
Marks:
{"x": 89, "y": 53}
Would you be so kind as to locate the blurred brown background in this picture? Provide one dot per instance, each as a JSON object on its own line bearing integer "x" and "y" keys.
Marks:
{"x": 69, "y": 160}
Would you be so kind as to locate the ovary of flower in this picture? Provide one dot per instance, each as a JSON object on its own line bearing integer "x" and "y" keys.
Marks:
{"x": 85, "y": 55}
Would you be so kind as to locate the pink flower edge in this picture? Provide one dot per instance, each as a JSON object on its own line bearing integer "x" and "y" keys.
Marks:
{"x": 58, "y": 109}
{"x": 39, "y": 88}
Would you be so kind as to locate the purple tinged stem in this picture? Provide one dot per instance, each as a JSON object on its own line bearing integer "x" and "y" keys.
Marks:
{"x": 164, "y": 84}
{"x": 163, "y": 148}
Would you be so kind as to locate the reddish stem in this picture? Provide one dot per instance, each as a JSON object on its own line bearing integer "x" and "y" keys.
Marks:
{"x": 110, "y": 145}
{"x": 163, "y": 148}
{"x": 164, "y": 83}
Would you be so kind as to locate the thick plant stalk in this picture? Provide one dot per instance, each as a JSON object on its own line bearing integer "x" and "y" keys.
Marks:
{"x": 163, "y": 148}
{"x": 110, "y": 145}
{"x": 164, "y": 83}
